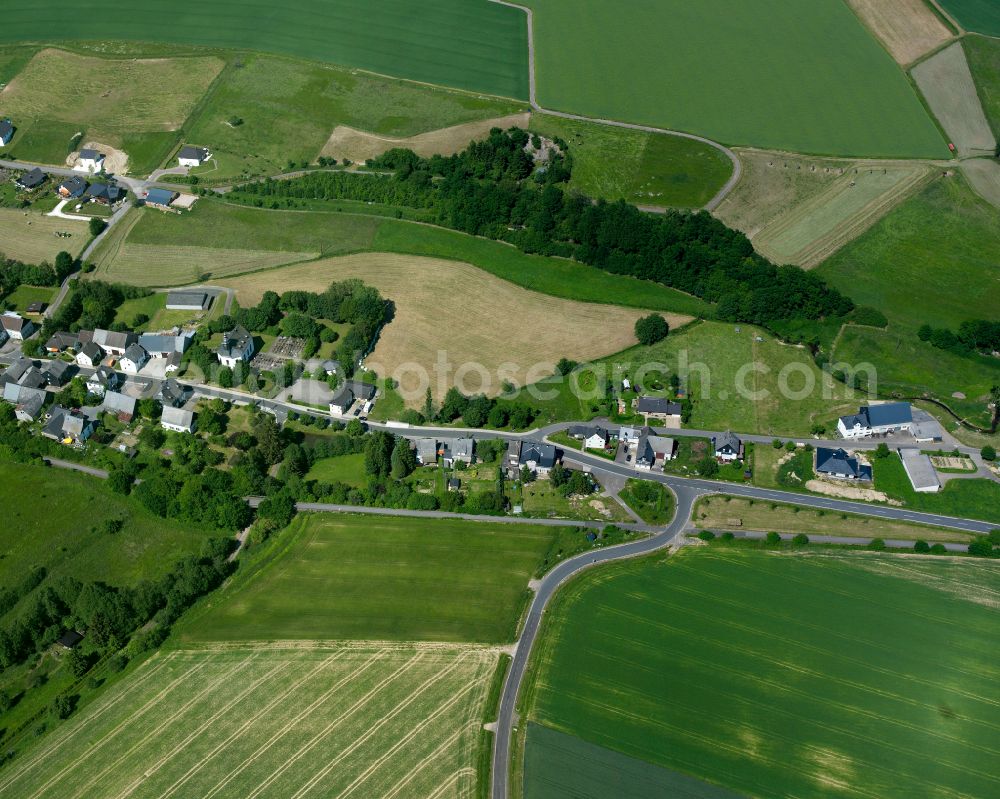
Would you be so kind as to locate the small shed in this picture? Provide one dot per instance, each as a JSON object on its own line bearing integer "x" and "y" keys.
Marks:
{"x": 70, "y": 639}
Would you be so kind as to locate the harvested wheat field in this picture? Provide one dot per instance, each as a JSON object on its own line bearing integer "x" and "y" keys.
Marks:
{"x": 907, "y": 28}
{"x": 773, "y": 183}
{"x": 454, "y": 308}
{"x": 815, "y": 229}
{"x": 359, "y": 145}
{"x": 287, "y": 719}
{"x": 33, "y": 238}
{"x": 946, "y": 82}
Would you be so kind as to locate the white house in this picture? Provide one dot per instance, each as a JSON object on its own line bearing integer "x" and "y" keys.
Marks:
{"x": 236, "y": 347}
{"x": 90, "y": 161}
{"x": 112, "y": 342}
{"x": 193, "y": 156}
{"x": 727, "y": 447}
{"x": 458, "y": 450}
{"x": 164, "y": 346}
{"x": 90, "y": 355}
{"x": 134, "y": 359}
{"x": 177, "y": 419}
{"x": 876, "y": 420}
{"x": 103, "y": 380}
{"x": 17, "y": 327}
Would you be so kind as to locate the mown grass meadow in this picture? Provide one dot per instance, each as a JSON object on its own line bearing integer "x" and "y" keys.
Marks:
{"x": 365, "y": 577}
{"x": 293, "y": 720}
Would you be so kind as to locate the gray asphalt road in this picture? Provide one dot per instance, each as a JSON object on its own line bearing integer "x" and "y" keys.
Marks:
{"x": 546, "y": 588}
{"x": 58, "y": 463}
{"x": 711, "y": 205}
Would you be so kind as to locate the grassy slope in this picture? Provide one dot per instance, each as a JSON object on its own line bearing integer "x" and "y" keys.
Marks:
{"x": 289, "y": 109}
{"x": 976, "y": 15}
{"x": 47, "y": 522}
{"x": 760, "y": 657}
{"x": 983, "y": 55}
{"x": 639, "y": 167}
{"x": 933, "y": 259}
{"x": 767, "y": 74}
{"x": 219, "y": 225}
{"x": 715, "y": 354}
{"x": 381, "y": 579}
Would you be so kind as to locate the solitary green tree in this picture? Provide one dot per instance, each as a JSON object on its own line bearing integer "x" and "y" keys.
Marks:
{"x": 650, "y": 329}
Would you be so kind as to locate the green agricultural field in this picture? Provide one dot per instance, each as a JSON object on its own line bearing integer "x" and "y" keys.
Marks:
{"x": 50, "y": 520}
{"x": 21, "y": 297}
{"x": 747, "y": 668}
{"x": 114, "y": 102}
{"x": 716, "y": 361}
{"x": 479, "y": 46}
{"x": 942, "y": 243}
{"x": 639, "y": 167}
{"x": 561, "y": 766}
{"x": 364, "y": 577}
{"x": 778, "y": 74}
{"x": 983, "y": 55}
{"x": 368, "y": 720}
{"x": 289, "y": 109}
{"x": 982, "y": 16}
{"x": 348, "y": 469}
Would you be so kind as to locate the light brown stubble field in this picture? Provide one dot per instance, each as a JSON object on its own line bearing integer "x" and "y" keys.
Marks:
{"x": 471, "y": 315}
{"x": 907, "y": 28}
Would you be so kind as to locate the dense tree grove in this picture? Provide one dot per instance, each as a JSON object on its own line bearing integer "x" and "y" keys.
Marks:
{"x": 495, "y": 189}
{"x": 15, "y": 273}
{"x": 91, "y": 304}
{"x": 973, "y": 335}
{"x": 110, "y": 614}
